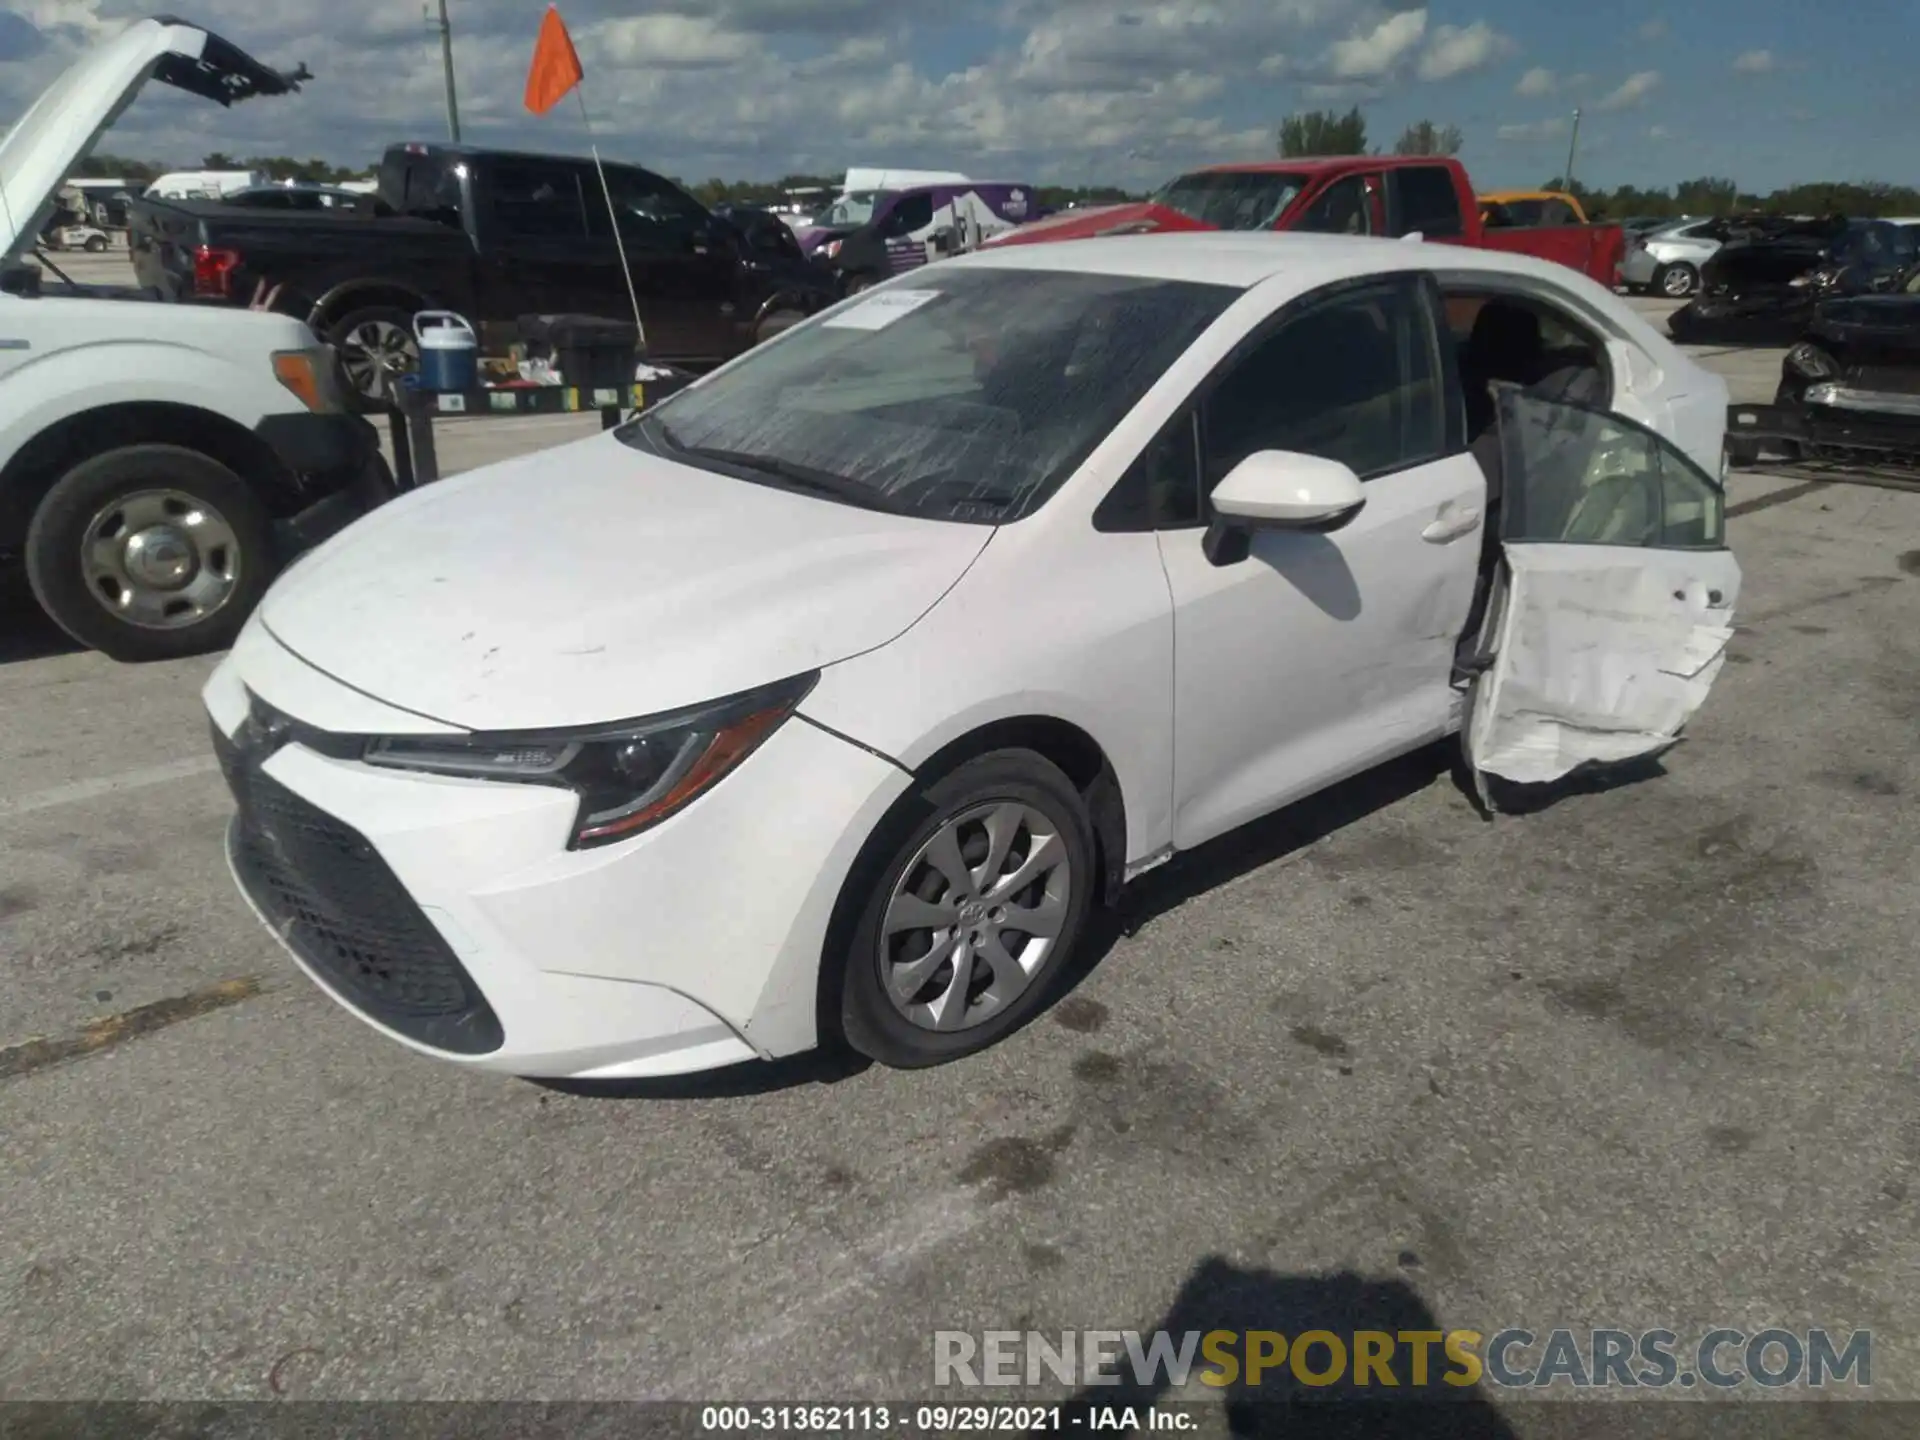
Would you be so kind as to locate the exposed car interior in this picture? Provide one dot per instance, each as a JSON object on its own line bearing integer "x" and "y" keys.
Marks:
{"x": 1508, "y": 340}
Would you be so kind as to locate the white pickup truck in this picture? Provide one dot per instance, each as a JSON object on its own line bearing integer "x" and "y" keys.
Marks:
{"x": 158, "y": 462}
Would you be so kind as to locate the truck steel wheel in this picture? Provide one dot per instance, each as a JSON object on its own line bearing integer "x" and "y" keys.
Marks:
{"x": 376, "y": 347}
{"x": 150, "y": 552}
{"x": 981, "y": 896}
{"x": 1677, "y": 281}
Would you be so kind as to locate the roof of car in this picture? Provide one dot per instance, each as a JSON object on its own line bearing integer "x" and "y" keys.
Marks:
{"x": 1245, "y": 259}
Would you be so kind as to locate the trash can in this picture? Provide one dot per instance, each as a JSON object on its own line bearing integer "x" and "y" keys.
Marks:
{"x": 591, "y": 352}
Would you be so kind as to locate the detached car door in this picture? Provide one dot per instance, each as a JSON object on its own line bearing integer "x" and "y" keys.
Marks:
{"x": 1617, "y": 595}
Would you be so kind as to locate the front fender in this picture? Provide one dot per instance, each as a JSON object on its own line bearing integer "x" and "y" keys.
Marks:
{"x": 45, "y": 390}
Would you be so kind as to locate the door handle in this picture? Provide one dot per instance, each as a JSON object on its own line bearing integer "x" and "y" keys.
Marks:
{"x": 1451, "y": 527}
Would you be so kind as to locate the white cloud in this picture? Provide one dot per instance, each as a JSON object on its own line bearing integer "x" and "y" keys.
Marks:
{"x": 1755, "y": 62}
{"x": 1046, "y": 90}
{"x": 1458, "y": 49}
{"x": 1654, "y": 29}
{"x": 1658, "y": 132}
{"x": 1630, "y": 91}
{"x": 1377, "y": 51}
{"x": 1536, "y": 82}
{"x": 1548, "y": 129}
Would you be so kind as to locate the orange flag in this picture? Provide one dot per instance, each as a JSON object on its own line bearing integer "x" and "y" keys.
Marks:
{"x": 556, "y": 68}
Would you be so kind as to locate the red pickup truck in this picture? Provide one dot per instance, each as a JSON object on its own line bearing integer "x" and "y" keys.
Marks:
{"x": 1390, "y": 195}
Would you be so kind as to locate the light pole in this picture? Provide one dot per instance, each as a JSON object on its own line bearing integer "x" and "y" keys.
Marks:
{"x": 1566, "y": 179}
{"x": 446, "y": 64}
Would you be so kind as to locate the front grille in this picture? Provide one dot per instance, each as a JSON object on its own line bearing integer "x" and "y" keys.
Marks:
{"x": 322, "y": 885}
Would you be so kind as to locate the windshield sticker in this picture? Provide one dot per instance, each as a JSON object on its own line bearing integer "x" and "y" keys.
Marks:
{"x": 879, "y": 311}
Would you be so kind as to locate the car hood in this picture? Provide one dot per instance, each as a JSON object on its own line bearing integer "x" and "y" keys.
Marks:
{"x": 596, "y": 582}
{"x": 1882, "y": 318}
{"x": 47, "y": 143}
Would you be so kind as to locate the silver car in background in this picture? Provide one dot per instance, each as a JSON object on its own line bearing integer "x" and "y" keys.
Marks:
{"x": 1667, "y": 261}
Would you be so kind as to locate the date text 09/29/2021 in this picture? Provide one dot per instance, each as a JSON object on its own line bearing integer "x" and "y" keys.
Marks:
{"x": 938, "y": 1419}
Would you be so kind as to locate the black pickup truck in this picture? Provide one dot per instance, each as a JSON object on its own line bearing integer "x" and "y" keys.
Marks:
{"x": 493, "y": 235}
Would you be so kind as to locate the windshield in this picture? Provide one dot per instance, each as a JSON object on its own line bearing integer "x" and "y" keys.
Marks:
{"x": 1877, "y": 244}
{"x": 1229, "y": 200}
{"x": 970, "y": 396}
{"x": 851, "y": 210}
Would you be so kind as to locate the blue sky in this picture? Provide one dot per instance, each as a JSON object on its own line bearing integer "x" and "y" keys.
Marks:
{"x": 1765, "y": 91}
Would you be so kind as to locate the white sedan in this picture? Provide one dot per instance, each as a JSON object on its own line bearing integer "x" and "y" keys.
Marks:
{"x": 820, "y": 703}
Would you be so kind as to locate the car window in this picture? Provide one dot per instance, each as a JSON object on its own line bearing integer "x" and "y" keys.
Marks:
{"x": 1581, "y": 476}
{"x": 910, "y": 213}
{"x": 653, "y": 212}
{"x": 1343, "y": 208}
{"x": 1558, "y": 212}
{"x": 538, "y": 201}
{"x": 1355, "y": 378}
{"x": 969, "y": 396}
{"x": 1429, "y": 203}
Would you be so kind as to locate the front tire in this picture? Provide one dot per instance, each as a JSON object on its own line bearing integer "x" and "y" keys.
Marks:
{"x": 978, "y": 888}
{"x": 150, "y": 552}
{"x": 775, "y": 323}
{"x": 96, "y": 243}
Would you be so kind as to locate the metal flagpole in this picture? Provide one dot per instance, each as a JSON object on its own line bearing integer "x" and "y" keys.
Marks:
{"x": 1572, "y": 141}
{"x": 613, "y": 215}
{"x": 446, "y": 65}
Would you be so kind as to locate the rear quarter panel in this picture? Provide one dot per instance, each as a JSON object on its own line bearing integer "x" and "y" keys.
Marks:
{"x": 1596, "y": 251}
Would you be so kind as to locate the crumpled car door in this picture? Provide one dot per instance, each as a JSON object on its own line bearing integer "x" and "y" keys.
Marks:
{"x": 1615, "y": 602}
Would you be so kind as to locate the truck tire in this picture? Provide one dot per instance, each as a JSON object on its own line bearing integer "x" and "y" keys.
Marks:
{"x": 96, "y": 243}
{"x": 376, "y": 346}
{"x": 150, "y": 552}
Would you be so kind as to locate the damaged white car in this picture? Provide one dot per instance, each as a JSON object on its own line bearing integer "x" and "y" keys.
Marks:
{"x": 824, "y": 700}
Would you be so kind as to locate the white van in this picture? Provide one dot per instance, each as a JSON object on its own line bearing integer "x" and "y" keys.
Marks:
{"x": 205, "y": 184}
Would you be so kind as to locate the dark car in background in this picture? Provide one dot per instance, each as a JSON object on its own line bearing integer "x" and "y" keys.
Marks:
{"x": 1849, "y": 388}
{"x": 492, "y": 235}
{"x": 1764, "y": 284}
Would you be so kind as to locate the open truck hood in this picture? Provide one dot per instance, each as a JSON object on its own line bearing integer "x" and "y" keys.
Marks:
{"x": 1141, "y": 217}
{"x": 50, "y": 140}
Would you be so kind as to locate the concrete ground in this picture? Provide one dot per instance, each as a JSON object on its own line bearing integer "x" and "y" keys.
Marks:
{"x": 1642, "y": 1058}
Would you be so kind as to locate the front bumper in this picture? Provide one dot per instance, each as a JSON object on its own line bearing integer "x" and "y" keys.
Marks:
{"x": 1812, "y": 429}
{"x": 694, "y": 945}
{"x": 337, "y": 470}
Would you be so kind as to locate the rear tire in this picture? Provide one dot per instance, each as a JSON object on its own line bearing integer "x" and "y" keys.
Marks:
{"x": 1676, "y": 281}
{"x": 150, "y": 552}
{"x": 857, "y": 283}
{"x": 995, "y": 817}
{"x": 96, "y": 243}
{"x": 373, "y": 356}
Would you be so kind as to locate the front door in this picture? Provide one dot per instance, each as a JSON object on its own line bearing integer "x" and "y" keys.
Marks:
{"x": 1314, "y": 656}
{"x": 1616, "y": 604}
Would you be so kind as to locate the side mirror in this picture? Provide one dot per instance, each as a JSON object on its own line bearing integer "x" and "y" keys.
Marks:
{"x": 1280, "y": 490}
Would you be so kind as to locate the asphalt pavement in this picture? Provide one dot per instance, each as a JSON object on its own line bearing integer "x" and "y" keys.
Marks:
{"x": 1642, "y": 1057}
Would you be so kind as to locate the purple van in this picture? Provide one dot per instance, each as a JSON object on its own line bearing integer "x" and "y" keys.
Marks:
{"x": 910, "y": 227}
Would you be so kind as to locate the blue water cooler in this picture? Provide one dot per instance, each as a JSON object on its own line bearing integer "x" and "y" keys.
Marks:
{"x": 449, "y": 351}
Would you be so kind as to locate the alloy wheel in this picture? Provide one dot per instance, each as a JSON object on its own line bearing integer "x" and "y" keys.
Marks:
{"x": 375, "y": 354}
{"x": 975, "y": 916}
{"x": 1678, "y": 282}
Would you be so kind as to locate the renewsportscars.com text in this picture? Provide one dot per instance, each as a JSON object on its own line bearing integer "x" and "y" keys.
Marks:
{"x": 1511, "y": 1359}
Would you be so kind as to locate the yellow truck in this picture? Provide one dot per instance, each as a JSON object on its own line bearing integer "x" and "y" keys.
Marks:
{"x": 1524, "y": 209}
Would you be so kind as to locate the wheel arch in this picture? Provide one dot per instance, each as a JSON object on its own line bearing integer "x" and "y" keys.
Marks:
{"x": 352, "y": 295}
{"x": 37, "y": 465}
{"x": 1079, "y": 757}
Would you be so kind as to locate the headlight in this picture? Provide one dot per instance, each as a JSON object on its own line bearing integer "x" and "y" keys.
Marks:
{"x": 629, "y": 776}
{"x": 830, "y": 249}
{"x": 1811, "y": 361}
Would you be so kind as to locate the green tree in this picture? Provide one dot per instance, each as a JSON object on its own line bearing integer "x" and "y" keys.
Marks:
{"x": 1322, "y": 132}
{"x": 1423, "y": 137}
